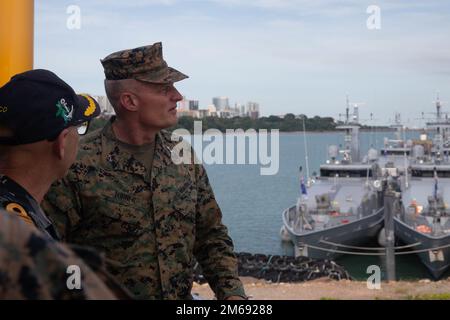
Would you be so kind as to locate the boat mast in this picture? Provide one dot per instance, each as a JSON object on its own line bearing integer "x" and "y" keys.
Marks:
{"x": 306, "y": 153}
{"x": 441, "y": 126}
{"x": 438, "y": 107}
{"x": 399, "y": 127}
{"x": 351, "y": 127}
{"x": 439, "y": 133}
{"x": 404, "y": 157}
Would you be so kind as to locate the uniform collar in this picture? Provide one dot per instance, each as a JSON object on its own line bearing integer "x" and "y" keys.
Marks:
{"x": 21, "y": 196}
{"x": 16, "y": 189}
{"x": 115, "y": 158}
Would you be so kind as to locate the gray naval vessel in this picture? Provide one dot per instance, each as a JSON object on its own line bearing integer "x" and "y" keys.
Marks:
{"x": 342, "y": 207}
{"x": 396, "y": 152}
{"x": 423, "y": 219}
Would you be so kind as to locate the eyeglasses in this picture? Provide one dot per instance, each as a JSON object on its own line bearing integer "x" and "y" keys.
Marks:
{"x": 82, "y": 128}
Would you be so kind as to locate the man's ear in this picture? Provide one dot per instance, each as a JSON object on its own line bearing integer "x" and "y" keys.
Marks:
{"x": 129, "y": 101}
{"x": 59, "y": 145}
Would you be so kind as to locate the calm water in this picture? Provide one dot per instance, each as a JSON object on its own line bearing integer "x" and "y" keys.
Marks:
{"x": 252, "y": 203}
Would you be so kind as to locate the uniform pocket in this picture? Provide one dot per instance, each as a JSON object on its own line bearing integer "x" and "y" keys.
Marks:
{"x": 185, "y": 200}
{"x": 112, "y": 215}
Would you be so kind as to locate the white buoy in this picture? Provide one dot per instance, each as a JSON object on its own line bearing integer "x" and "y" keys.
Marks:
{"x": 284, "y": 234}
{"x": 382, "y": 238}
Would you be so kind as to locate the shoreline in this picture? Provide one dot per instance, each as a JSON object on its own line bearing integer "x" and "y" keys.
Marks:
{"x": 301, "y": 132}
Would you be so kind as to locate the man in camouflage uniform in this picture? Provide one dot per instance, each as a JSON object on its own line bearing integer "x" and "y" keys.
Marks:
{"x": 126, "y": 197}
{"x": 38, "y": 142}
{"x": 33, "y": 266}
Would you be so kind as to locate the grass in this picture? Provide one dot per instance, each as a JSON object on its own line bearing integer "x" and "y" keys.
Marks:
{"x": 431, "y": 296}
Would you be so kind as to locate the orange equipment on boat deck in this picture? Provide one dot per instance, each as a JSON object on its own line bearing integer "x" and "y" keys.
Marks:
{"x": 423, "y": 228}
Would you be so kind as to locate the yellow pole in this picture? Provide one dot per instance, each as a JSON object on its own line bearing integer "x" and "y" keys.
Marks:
{"x": 16, "y": 37}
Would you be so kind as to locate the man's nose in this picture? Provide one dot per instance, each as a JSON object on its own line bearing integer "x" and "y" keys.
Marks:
{"x": 177, "y": 95}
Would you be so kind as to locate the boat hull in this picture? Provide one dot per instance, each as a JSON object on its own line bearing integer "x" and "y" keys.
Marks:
{"x": 436, "y": 261}
{"x": 356, "y": 233}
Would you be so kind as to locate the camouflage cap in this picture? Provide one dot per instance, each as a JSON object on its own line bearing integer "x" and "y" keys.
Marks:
{"x": 143, "y": 63}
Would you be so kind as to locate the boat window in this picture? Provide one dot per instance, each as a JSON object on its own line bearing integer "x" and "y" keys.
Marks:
{"x": 394, "y": 152}
{"x": 345, "y": 173}
{"x": 429, "y": 173}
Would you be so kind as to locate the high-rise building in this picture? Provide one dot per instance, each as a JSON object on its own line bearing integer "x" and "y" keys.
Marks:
{"x": 183, "y": 104}
{"x": 105, "y": 106}
{"x": 202, "y": 113}
{"x": 240, "y": 109}
{"x": 212, "y": 111}
{"x": 193, "y": 104}
{"x": 253, "y": 110}
{"x": 252, "y": 106}
{"x": 221, "y": 103}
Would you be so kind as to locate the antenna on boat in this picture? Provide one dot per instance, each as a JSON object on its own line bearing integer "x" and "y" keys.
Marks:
{"x": 404, "y": 157}
{"x": 306, "y": 152}
{"x": 436, "y": 180}
{"x": 367, "y": 176}
{"x": 438, "y": 106}
{"x": 347, "y": 110}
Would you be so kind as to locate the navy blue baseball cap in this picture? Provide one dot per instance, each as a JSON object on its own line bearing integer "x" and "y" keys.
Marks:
{"x": 37, "y": 105}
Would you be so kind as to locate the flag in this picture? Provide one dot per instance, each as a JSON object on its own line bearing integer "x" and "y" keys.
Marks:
{"x": 303, "y": 187}
{"x": 435, "y": 184}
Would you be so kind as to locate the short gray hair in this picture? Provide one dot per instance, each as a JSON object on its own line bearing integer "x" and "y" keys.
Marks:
{"x": 114, "y": 88}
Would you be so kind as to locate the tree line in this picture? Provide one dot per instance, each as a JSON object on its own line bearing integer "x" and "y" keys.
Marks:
{"x": 289, "y": 123}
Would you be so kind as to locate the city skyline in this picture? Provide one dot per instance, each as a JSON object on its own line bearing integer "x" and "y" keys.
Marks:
{"x": 292, "y": 56}
{"x": 220, "y": 107}
{"x": 190, "y": 107}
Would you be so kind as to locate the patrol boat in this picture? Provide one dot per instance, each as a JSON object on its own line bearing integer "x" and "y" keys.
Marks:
{"x": 423, "y": 221}
{"x": 340, "y": 209}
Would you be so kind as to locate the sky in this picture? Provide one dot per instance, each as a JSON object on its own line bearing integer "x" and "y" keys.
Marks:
{"x": 290, "y": 56}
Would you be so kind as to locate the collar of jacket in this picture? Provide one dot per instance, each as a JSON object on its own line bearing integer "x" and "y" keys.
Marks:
{"x": 114, "y": 158}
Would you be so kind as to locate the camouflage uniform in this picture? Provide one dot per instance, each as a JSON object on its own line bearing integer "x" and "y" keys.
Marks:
{"x": 16, "y": 201}
{"x": 34, "y": 266}
{"x": 150, "y": 225}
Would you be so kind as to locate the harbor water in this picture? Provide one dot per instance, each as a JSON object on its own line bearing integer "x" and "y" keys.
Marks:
{"x": 252, "y": 203}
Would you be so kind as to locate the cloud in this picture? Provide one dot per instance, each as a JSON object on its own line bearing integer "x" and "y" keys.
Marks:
{"x": 267, "y": 51}
{"x": 333, "y": 8}
{"x": 132, "y": 4}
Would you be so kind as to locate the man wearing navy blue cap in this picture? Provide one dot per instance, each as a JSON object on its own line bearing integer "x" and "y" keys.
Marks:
{"x": 39, "y": 118}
